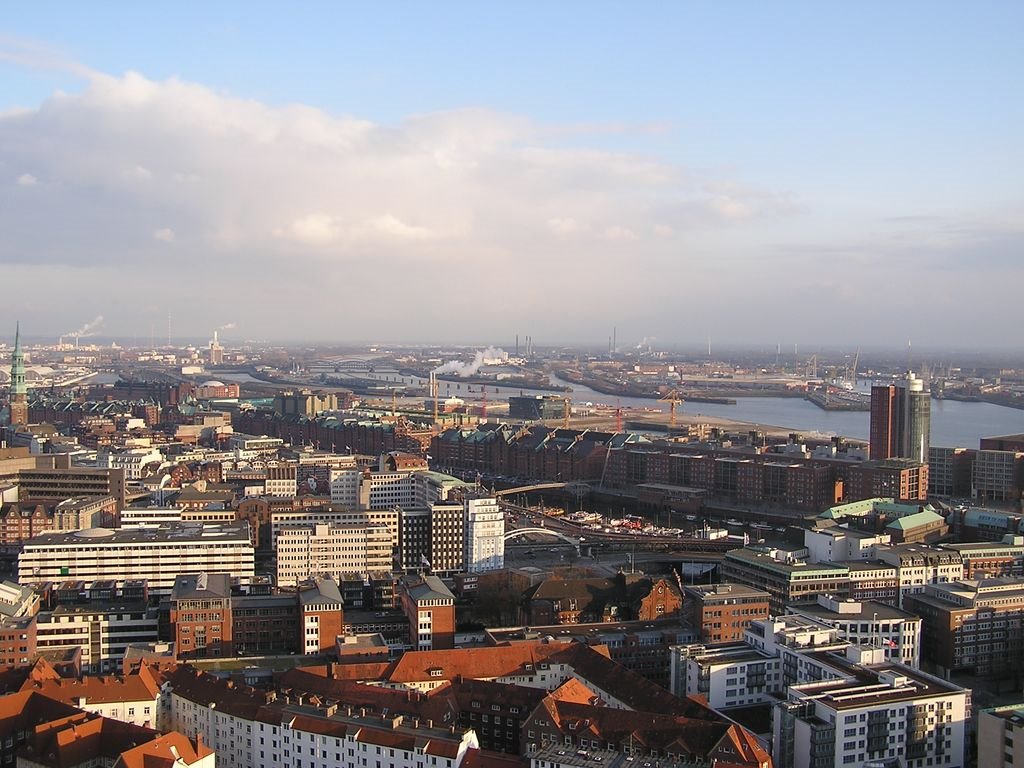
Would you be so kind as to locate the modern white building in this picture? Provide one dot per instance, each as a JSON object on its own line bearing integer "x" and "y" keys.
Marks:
{"x": 775, "y": 653}
{"x": 334, "y": 516}
{"x": 131, "y": 460}
{"x": 836, "y": 543}
{"x": 881, "y": 714}
{"x": 897, "y": 632}
{"x": 157, "y": 555}
{"x": 314, "y": 550}
{"x": 151, "y": 517}
{"x": 102, "y": 631}
{"x": 918, "y": 565}
{"x": 484, "y": 535}
{"x": 407, "y": 489}
{"x": 246, "y": 446}
{"x": 1001, "y": 736}
{"x": 281, "y": 481}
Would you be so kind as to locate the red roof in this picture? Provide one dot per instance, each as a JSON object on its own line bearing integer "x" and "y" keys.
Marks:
{"x": 164, "y": 752}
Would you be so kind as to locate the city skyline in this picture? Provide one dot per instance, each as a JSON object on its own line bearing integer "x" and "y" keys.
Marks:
{"x": 757, "y": 175}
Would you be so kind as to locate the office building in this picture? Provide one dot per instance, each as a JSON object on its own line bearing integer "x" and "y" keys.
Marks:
{"x": 972, "y": 624}
{"x": 720, "y": 613}
{"x": 983, "y": 559}
{"x": 896, "y": 632}
{"x": 785, "y": 579}
{"x": 901, "y": 420}
{"x": 157, "y": 555}
{"x": 537, "y": 407}
{"x": 484, "y": 524}
{"x": 325, "y": 549}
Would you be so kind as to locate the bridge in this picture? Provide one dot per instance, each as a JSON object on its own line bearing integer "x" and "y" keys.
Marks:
{"x": 509, "y": 535}
{"x": 530, "y": 488}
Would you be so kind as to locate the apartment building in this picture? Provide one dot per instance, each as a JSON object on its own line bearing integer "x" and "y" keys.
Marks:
{"x": 1001, "y": 736}
{"x": 881, "y": 714}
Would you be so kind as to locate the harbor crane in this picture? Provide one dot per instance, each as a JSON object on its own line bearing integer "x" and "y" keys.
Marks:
{"x": 673, "y": 399}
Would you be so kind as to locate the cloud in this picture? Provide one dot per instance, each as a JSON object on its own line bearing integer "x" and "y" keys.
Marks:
{"x": 290, "y": 200}
{"x": 27, "y": 180}
{"x": 615, "y": 232}
{"x": 312, "y": 229}
{"x": 567, "y": 226}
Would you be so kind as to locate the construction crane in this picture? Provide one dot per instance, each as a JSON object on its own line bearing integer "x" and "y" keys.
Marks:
{"x": 673, "y": 399}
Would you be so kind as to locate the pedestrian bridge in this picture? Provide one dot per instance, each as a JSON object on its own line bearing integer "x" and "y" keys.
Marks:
{"x": 530, "y": 489}
{"x": 509, "y": 535}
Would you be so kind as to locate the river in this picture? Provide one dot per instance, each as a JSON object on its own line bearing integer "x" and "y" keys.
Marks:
{"x": 954, "y": 423}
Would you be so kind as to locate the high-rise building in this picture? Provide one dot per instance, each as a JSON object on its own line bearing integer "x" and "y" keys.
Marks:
{"x": 18, "y": 389}
{"x": 901, "y": 420}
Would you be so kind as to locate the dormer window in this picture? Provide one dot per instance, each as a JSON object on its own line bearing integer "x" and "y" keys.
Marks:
{"x": 435, "y": 672}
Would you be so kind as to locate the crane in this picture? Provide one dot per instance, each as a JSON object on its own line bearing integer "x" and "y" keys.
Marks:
{"x": 673, "y": 399}
{"x": 566, "y": 410}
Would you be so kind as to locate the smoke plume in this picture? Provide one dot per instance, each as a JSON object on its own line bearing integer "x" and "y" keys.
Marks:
{"x": 89, "y": 329}
{"x": 465, "y": 370}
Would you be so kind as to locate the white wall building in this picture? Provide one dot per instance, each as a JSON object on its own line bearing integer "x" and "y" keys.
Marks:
{"x": 897, "y": 632}
{"x": 131, "y": 460}
{"x": 837, "y": 544}
{"x": 157, "y": 555}
{"x": 103, "y": 632}
{"x": 918, "y": 565}
{"x": 331, "y": 549}
{"x": 484, "y": 535}
{"x": 244, "y": 735}
{"x": 775, "y": 653}
{"x": 152, "y": 517}
{"x": 888, "y": 715}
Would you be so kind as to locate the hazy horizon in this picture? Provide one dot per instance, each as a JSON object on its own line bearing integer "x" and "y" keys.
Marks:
{"x": 836, "y": 176}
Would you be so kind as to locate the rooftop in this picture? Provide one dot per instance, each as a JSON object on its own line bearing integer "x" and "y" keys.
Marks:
{"x": 171, "y": 533}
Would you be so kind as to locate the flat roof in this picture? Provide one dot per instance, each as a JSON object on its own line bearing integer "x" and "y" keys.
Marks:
{"x": 765, "y": 560}
{"x": 173, "y": 532}
{"x": 725, "y": 590}
{"x": 869, "y": 609}
{"x": 843, "y": 694}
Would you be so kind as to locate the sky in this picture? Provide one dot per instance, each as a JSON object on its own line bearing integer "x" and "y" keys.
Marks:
{"x": 760, "y": 173}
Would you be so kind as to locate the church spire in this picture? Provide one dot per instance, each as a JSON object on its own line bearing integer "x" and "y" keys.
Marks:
{"x": 18, "y": 401}
{"x": 18, "y": 367}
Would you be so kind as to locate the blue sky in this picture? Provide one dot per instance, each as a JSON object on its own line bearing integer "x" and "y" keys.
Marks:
{"x": 810, "y": 149}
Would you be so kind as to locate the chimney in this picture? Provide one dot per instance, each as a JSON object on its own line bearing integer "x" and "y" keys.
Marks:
{"x": 199, "y": 742}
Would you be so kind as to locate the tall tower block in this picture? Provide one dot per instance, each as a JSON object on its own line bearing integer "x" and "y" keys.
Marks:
{"x": 901, "y": 420}
{"x": 18, "y": 388}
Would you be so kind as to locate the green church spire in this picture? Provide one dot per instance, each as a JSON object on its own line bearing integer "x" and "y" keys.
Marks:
{"x": 18, "y": 388}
